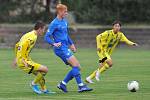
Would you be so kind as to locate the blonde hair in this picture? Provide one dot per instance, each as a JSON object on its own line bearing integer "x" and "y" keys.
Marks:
{"x": 60, "y": 7}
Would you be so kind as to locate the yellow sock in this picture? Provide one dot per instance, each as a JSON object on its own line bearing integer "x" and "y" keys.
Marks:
{"x": 42, "y": 84}
{"x": 104, "y": 68}
{"x": 38, "y": 77}
{"x": 93, "y": 74}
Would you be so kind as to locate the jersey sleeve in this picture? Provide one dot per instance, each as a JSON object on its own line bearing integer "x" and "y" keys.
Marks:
{"x": 48, "y": 35}
{"x": 124, "y": 39}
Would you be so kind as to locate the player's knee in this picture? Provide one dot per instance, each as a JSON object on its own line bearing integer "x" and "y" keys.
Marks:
{"x": 110, "y": 64}
{"x": 44, "y": 69}
{"x": 75, "y": 64}
{"x": 78, "y": 64}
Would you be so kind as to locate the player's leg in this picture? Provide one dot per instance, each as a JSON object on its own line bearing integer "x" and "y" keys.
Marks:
{"x": 39, "y": 79}
{"x": 69, "y": 59}
{"x": 69, "y": 76}
{"x": 34, "y": 83}
{"x": 76, "y": 74}
{"x": 44, "y": 88}
{"x": 42, "y": 84}
{"x": 102, "y": 58}
{"x": 36, "y": 69}
{"x": 106, "y": 65}
{"x": 101, "y": 68}
{"x": 39, "y": 71}
{"x": 75, "y": 69}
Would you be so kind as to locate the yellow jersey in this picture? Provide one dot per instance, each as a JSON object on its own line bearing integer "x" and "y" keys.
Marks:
{"x": 24, "y": 46}
{"x": 108, "y": 40}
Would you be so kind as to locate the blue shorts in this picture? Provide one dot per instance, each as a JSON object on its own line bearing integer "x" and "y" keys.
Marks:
{"x": 64, "y": 55}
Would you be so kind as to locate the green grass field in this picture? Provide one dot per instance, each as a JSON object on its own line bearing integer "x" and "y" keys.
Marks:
{"x": 129, "y": 64}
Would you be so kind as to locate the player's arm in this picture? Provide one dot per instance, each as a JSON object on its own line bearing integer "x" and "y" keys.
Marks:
{"x": 15, "y": 59}
{"x": 16, "y": 47}
{"x": 72, "y": 46}
{"x": 98, "y": 42}
{"x": 23, "y": 50}
{"x": 48, "y": 35}
{"x": 101, "y": 40}
{"x": 124, "y": 39}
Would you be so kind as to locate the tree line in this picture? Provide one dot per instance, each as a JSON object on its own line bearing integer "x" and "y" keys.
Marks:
{"x": 84, "y": 11}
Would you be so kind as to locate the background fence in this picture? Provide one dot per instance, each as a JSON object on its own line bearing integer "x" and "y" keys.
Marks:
{"x": 84, "y": 37}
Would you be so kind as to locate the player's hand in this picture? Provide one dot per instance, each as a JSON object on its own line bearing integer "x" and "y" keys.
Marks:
{"x": 73, "y": 48}
{"x": 135, "y": 44}
{"x": 57, "y": 44}
{"x": 14, "y": 64}
{"x": 24, "y": 62}
{"x": 98, "y": 49}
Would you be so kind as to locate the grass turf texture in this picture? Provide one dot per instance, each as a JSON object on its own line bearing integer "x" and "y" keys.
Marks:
{"x": 129, "y": 64}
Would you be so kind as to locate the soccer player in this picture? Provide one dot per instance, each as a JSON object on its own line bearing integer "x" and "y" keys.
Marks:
{"x": 24, "y": 62}
{"x": 57, "y": 36}
{"x": 106, "y": 43}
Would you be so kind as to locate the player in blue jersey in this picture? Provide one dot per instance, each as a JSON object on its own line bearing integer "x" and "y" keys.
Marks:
{"x": 57, "y": 36}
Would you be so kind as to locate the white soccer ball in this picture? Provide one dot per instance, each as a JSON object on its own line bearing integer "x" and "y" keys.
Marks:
{"x": 133, "y": 86}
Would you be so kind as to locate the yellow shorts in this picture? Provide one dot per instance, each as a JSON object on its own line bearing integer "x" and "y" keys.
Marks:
{"x": 32, "y": 66}
{"x": 103, "y": 56}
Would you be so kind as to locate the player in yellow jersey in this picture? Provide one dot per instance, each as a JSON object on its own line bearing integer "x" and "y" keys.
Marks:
{"x": 24, "y": 62}
{"x": 106, "y": 43}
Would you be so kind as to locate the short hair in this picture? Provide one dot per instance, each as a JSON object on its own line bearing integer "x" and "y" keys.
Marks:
{"x": 116, "y": 22}
{"x": 39, "y": 24}
{"x": 60, "y": 7}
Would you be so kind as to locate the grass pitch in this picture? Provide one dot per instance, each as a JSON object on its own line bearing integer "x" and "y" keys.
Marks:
{"x": 129, "y": 64}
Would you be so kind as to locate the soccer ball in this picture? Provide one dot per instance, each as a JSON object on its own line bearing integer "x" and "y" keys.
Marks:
{"x": 133, "y": 86}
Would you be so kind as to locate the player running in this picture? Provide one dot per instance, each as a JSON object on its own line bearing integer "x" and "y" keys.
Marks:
{"x": 24, "y": 62}
{"x": 106, "y": 43}
{"x": 57, "y": 36}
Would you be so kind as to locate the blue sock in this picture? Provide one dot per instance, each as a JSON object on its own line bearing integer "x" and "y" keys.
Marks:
{"x": 77, "y": 75}
{"x": 68, "y": 77}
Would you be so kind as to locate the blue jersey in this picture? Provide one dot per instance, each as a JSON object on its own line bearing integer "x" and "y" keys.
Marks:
{"x": 58, "y": 32}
